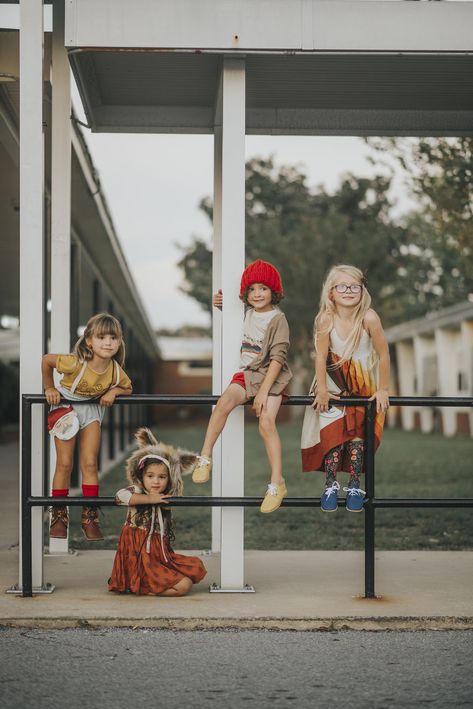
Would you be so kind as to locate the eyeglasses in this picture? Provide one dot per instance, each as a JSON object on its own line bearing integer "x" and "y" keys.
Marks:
{"x": 344, "y": 288}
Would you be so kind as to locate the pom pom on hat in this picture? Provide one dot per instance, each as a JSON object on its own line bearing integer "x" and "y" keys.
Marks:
{"x": 261, "y": 272}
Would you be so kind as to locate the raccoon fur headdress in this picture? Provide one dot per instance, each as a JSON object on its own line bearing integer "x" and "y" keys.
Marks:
{"x": 181, "y": 462}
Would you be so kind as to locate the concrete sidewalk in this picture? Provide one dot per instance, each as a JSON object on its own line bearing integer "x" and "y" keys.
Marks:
{"x": 294, "y": 589}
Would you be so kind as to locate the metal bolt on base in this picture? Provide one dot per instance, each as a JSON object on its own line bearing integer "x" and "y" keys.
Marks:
{"x": 247, "y": 588}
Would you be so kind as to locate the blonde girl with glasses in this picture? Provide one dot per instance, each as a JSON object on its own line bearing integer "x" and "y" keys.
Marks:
{"x": 351, "y": 359}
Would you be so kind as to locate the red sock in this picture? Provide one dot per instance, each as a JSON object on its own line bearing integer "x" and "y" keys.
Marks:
{"x": 90, "y": 490}
{"x": 57, "y": 492}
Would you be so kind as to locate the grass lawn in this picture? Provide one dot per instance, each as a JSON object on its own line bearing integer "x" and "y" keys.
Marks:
{"x": 407, "y": 465}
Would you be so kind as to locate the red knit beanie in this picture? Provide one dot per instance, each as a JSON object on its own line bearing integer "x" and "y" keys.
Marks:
{"x": 261, "y": 272}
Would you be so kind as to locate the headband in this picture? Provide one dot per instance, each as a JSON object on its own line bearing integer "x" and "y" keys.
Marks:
{"x": 141, "y": 462}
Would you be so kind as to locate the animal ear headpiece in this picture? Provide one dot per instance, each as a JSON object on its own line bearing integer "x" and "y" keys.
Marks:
{"x": 177, "y": 461}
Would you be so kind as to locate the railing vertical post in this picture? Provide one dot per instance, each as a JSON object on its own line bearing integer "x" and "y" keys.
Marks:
{"x": 26, "y": 536}
{"x": 111, "y": 434}
{"x": 121, "y": 414}
{"x": 370, "y": 415}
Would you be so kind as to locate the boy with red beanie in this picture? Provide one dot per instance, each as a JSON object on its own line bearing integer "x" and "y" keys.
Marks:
{"x": 263, "y": 374}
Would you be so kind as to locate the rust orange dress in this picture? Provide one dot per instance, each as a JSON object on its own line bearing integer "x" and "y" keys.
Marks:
{"x": 145, "y": 562}
{"x": 357, "y": 377}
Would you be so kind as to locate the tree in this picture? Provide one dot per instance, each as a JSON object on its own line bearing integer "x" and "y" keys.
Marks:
{"x": 439, "y": 172}
{"x": 303, "y": 234}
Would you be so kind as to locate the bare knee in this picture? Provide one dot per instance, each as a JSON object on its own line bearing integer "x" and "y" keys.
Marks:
{"x": 63, "y": 467}
{"x": 267, "y": 425}
{"x": 89, "y": 467}
{"x": 225, "y": 404}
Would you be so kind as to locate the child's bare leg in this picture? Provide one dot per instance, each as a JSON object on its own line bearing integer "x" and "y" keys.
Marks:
{"x": 89, "y": 450}
{"x": 64, "y": 461}
{"x": 270, "y": 436}
{"x": 181, "y": 588}
{"x": 59, "y": 519}
{"x": 232, "y": 397}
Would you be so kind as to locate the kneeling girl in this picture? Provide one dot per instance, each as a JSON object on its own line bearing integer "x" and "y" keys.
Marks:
{"x": 145, "y": 562}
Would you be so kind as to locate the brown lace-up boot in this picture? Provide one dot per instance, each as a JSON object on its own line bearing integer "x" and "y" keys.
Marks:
{"x": 90, "y": 524}
{"x": 58, "y": 523}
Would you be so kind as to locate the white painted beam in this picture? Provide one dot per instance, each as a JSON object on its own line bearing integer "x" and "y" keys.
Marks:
{"x": 60, "y": 209}
{"x": 272, "y": 25}
{"x": 232, "y": 260}
{"x": 32, "y": 247}
{"x": 217, "y": 318}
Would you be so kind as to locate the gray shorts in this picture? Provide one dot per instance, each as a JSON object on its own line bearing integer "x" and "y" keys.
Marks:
{"x": 86, "y": 413}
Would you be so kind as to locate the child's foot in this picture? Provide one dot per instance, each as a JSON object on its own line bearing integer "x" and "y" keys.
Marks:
{"x": 275, "y": 494}
{"x": 355, "y": 498}
{"x": 90, "y": 524}
{"x": 201, "y": 472}
{"x": 59, "y": 523}
{"x": 328, "y": 501}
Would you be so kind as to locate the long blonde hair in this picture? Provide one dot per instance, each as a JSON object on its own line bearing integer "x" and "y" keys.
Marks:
{"x": 101, "y": 324}
{"x": 328, "y": 309}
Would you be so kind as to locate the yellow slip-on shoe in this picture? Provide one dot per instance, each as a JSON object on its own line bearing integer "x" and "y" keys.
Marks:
{"x": 201, "y": 473}
{"x": 275, "y": 494}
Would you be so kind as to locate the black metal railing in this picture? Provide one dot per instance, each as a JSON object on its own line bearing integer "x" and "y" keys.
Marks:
{"x": 371, "y": 503}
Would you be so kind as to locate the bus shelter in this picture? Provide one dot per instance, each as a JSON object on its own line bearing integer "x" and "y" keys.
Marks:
{"x": 225, "y": 67}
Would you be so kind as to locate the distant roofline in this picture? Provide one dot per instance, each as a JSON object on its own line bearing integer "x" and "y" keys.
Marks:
{"x": 445, "y": 317}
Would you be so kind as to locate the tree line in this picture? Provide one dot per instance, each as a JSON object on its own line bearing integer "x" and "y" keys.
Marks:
{"x": 415, "y": 263}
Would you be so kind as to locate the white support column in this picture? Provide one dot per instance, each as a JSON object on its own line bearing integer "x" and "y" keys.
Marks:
{"x": 233, "y": 260}
{"x": 407, "y": 380}
{"x": 426, "y": 369}
{"x": 217, "y": 319}
{"x": 31, "y": 247}
{"x": 467, "y": 364}
{"x": 60, "y": 210}
{"x": 447, "y": 343}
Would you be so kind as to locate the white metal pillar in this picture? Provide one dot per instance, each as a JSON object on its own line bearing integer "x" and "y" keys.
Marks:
{"x": 217, "y": 317}
{"x": 60, "y": 209}
{"x": 31, "y": 247}
{"x": 232, "y": 264}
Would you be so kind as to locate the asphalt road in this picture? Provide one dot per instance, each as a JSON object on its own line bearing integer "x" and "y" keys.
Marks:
{"x": 116, "y": 668}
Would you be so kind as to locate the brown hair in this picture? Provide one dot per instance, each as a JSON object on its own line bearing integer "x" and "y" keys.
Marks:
{"x": 181, "y": 462}
{"x": 101, "y": 324}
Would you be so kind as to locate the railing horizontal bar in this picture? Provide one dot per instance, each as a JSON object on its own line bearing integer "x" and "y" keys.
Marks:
{"x": 290, "y": 401}
{"x": 190, "y": 501}
{"x": 204, "y": 501}
{"x": 399, "y": 503}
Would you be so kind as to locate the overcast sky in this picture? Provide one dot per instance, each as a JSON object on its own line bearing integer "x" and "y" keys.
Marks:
{"x": 153, "y": 184}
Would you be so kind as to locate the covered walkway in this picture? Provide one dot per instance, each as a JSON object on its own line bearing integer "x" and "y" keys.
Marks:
{"x": 305, "y": 67}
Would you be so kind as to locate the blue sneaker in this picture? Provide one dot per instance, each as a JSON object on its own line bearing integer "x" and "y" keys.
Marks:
{"x": 328, "y": 501}
{"x": 355, "y": 499}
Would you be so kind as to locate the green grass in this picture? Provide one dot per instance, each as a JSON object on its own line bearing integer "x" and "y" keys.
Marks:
{"x": 407, "y": 465}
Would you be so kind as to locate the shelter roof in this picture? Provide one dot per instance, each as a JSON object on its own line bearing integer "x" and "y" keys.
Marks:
{"x": 312, "y": 66}
{"x": 450, "y": 317}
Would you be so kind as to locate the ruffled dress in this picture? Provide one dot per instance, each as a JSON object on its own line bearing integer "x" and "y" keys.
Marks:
{"x": 145, "y": 562}
{"x": 321, "y": 432}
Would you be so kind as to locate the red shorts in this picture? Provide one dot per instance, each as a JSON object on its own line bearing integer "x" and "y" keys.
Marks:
{"x": 239, "y": 378}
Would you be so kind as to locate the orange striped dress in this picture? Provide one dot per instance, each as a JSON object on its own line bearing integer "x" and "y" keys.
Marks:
{"x": 145, "y": 562}
{"x": 357, "y": 377}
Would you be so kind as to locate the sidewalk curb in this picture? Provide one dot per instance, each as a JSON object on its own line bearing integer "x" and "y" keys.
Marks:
{"x": 271, "y": 624}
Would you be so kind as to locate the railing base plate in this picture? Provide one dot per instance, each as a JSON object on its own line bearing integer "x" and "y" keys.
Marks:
{"x": 247, "y": 588}
{"x": 17, "y": 590}
{"x": 68, "y": 553}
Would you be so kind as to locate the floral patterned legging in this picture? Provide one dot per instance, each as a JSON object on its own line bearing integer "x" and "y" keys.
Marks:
{"x": 355, "y": 451}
